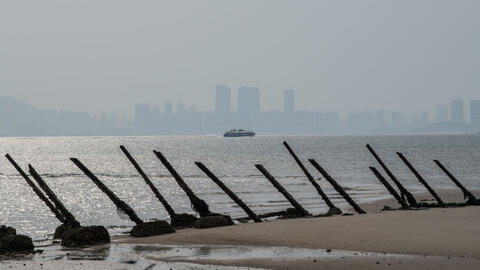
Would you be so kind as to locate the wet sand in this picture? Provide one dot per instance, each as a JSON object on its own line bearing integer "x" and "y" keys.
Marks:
{"x": 358, "y": 263}
{"x": 436, "y": 231}
{"x": 444, "y": 232}
{"x": 438, "y": 238}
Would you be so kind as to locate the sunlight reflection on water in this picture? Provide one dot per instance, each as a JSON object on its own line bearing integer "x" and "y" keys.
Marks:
{"x": 231, "y": 159}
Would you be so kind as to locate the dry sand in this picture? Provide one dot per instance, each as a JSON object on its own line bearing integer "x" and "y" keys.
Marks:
{"x": 437, "y": 231}
{"x": 439, "y": 238}
{"x": 443, "y": 232}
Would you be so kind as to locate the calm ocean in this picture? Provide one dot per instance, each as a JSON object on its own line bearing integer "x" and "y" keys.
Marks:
{"x": 231, "y": 159}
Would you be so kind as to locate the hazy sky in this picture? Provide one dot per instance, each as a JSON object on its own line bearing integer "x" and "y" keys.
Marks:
{"x": 97, "y": 56}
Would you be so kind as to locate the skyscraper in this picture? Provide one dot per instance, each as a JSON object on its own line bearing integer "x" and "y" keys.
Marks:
{"x": 248, "y": 100}
{"x": 142, "y": 115}
{"x": 168, "y": 108}
{"x": 396, "y": 120}
{"x": 424, "y": 118}
{"x": 222, "y": 99}
{"x": 456, "y": 108}
{"x": 475, "y": 113}
{"x": 180, "y": 107}
{"x": 442, "y": 113}
{"x": 288, "y": 100}
{"x": 381, "y": 119}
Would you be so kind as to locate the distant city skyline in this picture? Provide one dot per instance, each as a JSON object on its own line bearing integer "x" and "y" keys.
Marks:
{"x": 279, "y": 97}
{"x": 436, "y": 113}
{"x": 456, "y": 109}
{"x": 20, "y": 119}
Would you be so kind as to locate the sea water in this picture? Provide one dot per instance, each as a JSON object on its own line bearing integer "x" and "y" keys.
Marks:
{"x": 231, "y": 159}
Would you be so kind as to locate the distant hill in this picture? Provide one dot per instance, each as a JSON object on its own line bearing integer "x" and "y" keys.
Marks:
{"x": 16, "y": 117}
{"x": 13, "y": 105}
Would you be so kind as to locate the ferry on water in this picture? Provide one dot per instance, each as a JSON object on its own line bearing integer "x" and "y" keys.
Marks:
{"x": 239, "y": 133}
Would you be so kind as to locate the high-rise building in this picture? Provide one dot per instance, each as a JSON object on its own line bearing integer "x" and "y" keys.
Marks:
{"x": 168, "y": 107}
{"x": 142, "y": 115}
{"x": 222, "y": 99}
{"x": 424, "y": 118}
{"x": 456, "y": 115}
{"x": 381, "y": 119}
{"x": 155, "y": 113}
{"x": 180, "y": 107}
{"x": 248, "y": 100}
{"x": 288, "y": 100}
{"x": 442, "y": 113}
{"x": 396, "y": 119}
{"x": 475, "y": 113}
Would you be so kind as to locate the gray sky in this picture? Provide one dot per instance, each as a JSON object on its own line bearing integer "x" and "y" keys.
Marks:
{"x": 97, "y": 56}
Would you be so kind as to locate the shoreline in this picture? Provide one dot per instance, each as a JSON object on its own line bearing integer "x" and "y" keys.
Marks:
{"x": 435, "y": 238}
{"x": 434, "y": 231}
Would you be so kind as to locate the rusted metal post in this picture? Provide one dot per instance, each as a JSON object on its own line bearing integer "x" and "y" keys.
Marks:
{"x": 37, "y": 191}
{"x": 199, "y": 205}
{"x": 389, "y": 188}
{"x": 310, "y": 178}
{"x": 467, "y": 194}
{"x": 69, "y": 218}
{"x": 229, "y": 192}
{"x": 337, "y": 187}
{"x": 147, "y": 180}
{"x": 117, "y": 201}
{"x": 405, "y": 193}
{"x": 420, "y": 179}
{"x": 282, "y": 190}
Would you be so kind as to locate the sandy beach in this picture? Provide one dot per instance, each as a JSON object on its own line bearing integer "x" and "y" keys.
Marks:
{"x": 437, "y": 231}
{"x": 438, "y": 238}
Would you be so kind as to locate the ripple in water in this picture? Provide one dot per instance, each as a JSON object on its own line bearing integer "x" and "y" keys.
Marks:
{"x": 232, "y": 159}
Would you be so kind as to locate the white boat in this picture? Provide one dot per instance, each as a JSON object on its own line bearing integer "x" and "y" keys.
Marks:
{"x": 239, "y": 133}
